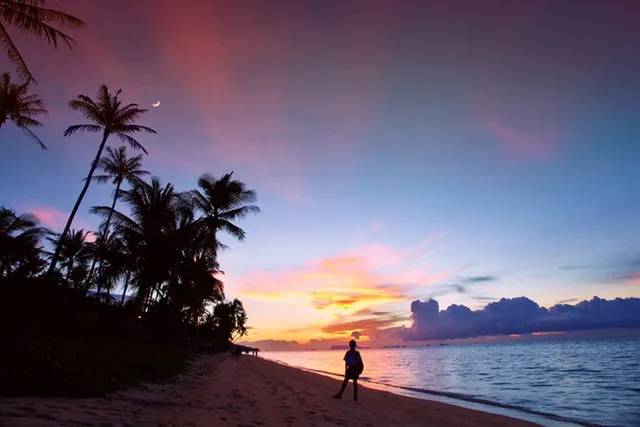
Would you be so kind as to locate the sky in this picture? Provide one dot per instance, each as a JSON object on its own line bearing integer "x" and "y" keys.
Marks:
{"x": 463, "y": 151}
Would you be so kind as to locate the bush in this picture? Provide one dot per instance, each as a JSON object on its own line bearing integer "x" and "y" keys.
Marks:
{"x": 57, "y": 342}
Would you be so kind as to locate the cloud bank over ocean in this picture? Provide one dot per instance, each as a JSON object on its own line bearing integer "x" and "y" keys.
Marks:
{"x": 521, "y": 315}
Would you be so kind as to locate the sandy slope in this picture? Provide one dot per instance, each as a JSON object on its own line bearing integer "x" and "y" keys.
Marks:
{"x": 249, "y": 392}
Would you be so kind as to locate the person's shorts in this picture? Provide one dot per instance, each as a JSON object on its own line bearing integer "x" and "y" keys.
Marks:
{"x": 353, "y": 372}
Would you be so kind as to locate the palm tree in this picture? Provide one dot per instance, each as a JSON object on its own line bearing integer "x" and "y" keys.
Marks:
{"x": 117, "y": 168}
{"x": 110, "y": 117}
{"x": 30, "y": 17}
{"x": 74, "y": 256}
{"x": 222, "y": 201}
{"x": 20, "y": 238}
{"x": 231, "y": 319}
{"x": 147, "y": 232}
{"x": 18, "y": 106}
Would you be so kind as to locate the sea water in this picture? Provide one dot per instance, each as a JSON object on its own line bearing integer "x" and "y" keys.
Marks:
{"x": 591, "y": 381}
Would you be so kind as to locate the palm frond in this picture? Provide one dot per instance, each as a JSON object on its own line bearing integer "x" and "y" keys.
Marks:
{"x": 33, "y": 136}
{"x": 118, "y": 218}
{"x": 24, "y": 121}
{"x": 33, "y": 20}
{"x": 86, "y": 127}
{"x": 233, "y": 229}
{"x": 101, "y": 179}
{"x": 240, "y": 212}
{"x": 88, "y": 109}
{"x": 132, "y": 142}
{"x": 14, "y": 55}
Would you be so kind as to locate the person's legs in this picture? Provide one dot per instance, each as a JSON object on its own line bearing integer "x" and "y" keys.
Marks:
{"x": 355, "y": 389}
{"x": 344, "y": 386}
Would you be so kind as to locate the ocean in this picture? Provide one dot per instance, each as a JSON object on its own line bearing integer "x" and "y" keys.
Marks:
{"x": 583, "y": 381}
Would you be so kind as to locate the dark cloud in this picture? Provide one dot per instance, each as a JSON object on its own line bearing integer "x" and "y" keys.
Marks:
{"x": 355, "y": 335}
{"x": 480, "y": 279}
{"x": 518, "y": 316}
{"x": 370, "y": 312}
{"x": 460, "y": 286}
{"x": 612, "y": 269}
{"x": 575, "y": 267}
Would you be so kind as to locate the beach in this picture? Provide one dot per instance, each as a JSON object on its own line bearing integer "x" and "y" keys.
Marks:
{"x": 217, "y": 391}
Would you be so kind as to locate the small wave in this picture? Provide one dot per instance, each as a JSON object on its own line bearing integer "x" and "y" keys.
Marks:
{"x": 580, "y": 371}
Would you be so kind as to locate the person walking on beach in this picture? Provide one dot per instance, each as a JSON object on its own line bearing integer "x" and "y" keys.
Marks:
{"x": 353, "y": 369}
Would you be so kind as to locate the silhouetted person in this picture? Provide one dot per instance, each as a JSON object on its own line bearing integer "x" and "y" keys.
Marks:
{"x": 353, "y": 368}
{"x": 235, "y": 353}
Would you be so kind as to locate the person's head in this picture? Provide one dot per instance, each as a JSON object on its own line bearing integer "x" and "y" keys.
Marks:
{"x": 352, "y": 344}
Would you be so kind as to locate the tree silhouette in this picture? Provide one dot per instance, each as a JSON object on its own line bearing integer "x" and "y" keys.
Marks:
{"x": 20, "y": 237}
{"x": 32, "y": 18}
{"x": 157, "y": 247}
{"x": 19, "y": 107}
{"x": 147, "y": 232}
{"x": 118, "y": 168}
{"x": 74, "y": 256}
{"x": 110, "y": 117}
{"x": 222, "y": 201}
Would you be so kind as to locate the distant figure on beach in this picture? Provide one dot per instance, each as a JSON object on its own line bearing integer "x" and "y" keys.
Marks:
{"x": 235, "y": 352}
{"x": 353, "y": 368}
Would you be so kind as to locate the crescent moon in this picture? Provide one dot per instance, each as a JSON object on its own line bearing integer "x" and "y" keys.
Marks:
{"x": 157, "y": 104}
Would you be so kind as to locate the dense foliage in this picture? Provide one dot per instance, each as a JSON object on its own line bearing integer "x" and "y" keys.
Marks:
{"x": 158, "y": 250}
{"x": 83, "y": 312}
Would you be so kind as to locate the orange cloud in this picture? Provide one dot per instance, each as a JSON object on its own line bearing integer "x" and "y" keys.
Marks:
{"x": 358, "y": 297}
{"x": 634, "y": 279}
{"x": 347, "y": 284}
{"x": 367, "y": 326}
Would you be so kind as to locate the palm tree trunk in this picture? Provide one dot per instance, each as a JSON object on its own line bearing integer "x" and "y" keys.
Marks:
{"x": 124, "y": 292}
{"x": 103, "y": 241}
{"x": 56, "y": 254}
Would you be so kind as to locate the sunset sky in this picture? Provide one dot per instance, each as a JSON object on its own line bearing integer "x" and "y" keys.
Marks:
{"x": 401, "y": 150}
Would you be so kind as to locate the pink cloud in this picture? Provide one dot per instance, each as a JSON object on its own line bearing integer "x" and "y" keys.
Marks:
{"x": 526, "y": 125}
{"x": 532, "y": 145}
{"x": 49, "y": 216}
{"x": 54, "y": 218}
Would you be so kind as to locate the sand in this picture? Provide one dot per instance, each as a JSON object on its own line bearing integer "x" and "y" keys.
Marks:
{"x": 218, "y": 391}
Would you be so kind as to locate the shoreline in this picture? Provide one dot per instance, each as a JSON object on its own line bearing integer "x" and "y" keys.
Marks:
{"x": 216, "y": 390}
{"x": 545, "y": 419}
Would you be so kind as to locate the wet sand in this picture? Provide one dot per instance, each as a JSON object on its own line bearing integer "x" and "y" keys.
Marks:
{"x": 218, "y": 391}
